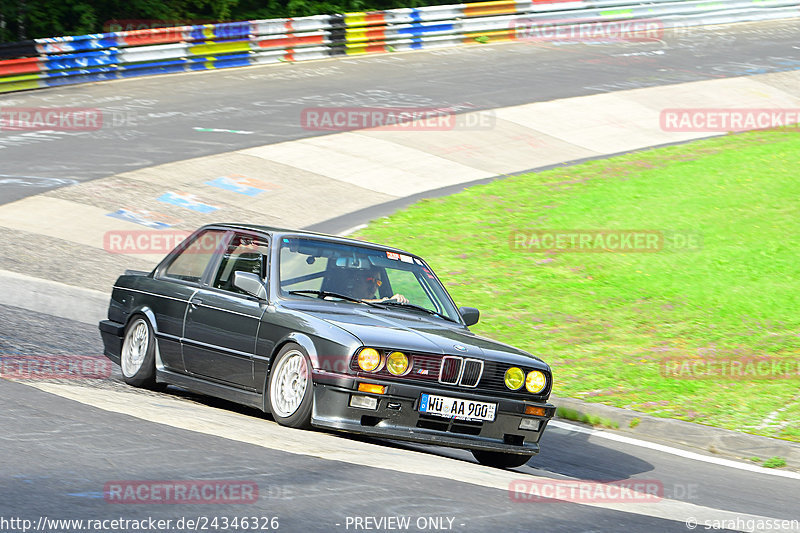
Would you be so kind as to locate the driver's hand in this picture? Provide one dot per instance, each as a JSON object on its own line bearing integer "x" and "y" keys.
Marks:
{"x": 400, "y": 298}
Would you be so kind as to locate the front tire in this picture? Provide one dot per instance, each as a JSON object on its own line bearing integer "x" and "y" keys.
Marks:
{"x": 290, "y": 388}
{"x": 500, "y": 459}
{"x": 138, "y": 359}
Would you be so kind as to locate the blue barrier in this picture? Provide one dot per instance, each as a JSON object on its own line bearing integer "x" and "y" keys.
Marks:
{"x": 104, "y": 56}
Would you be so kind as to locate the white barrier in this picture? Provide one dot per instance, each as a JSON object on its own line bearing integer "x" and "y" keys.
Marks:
{"x": 86, "y": 58}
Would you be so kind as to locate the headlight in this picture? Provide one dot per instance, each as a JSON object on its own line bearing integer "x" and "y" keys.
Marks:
{"x": 369, "y": 359}
{"x": 397, "y": 363}
{"x": 535, "y": 382}
{"x": 514, "y": 378}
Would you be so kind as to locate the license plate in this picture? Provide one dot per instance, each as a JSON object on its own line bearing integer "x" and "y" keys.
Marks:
{"x": 456, "y": 408}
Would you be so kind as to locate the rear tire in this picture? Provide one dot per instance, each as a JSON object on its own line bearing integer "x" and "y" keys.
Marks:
{"x": 138, "y": 357}
{"x": 500, "y": 459}
{"x": 290, "y": 388}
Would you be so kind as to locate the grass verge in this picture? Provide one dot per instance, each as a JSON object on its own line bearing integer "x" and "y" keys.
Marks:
{"x": 593, "y": 420}
{"x": 704, "y": 328}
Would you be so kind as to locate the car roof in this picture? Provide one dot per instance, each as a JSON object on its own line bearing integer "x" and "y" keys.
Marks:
{"x": 283, "y": 232}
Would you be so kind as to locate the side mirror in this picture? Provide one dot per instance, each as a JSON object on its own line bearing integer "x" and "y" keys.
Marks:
{"x": 250, "y": 283}
{"x": 470, "y": 315}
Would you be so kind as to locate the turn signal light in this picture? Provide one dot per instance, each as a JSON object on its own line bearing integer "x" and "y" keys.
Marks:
{"x": 374, "y": 388}
{"x": 533, "y": 410}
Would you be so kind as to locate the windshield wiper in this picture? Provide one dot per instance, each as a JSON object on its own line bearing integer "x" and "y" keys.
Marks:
{"x": 324, "y": 294}
{"x": 418, "y": 308}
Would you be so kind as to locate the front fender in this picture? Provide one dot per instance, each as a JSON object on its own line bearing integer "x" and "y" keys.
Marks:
{"x": 147, "y": 312}
{"x": 304, "y": 341}
{"x": 324, "y": 353}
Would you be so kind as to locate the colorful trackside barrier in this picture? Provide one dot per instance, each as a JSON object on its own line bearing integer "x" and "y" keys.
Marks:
{"x": 69, "y": 60}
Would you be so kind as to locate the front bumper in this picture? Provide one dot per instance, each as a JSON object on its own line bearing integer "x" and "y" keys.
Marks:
{"x": 397, "y": 416}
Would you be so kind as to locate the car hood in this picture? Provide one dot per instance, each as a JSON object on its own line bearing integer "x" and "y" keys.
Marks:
{"x": 409, "y": 331}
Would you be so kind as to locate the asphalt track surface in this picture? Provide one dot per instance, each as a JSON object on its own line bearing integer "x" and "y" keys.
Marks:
{"x": 57, "y": 454}
{"x": 150, "y": 121}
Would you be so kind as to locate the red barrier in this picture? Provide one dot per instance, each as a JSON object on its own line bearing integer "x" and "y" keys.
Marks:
{"x": 26, "y": 65}
{"x": 290, "y": 41}
{"x": 375, "y": 34}
{"x": 375, "y": 18}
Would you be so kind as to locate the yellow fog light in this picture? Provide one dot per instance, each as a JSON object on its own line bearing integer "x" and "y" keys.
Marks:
{"x": 535, "y": 382}
{"x": 369, "y": 359}
{"x": 397, "y": 363}
{"x": 514, "y": 378}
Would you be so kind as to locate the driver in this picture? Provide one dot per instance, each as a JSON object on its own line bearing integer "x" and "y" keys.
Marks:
{"x": 366, "y": 283}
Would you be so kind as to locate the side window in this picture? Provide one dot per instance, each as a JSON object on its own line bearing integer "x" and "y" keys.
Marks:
{"x": 245, "y": 253}
{"x": 190, "y": 264}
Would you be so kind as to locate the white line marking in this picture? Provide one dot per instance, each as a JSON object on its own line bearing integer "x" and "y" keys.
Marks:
{"x": 354, "y": 229}
{"x": 674, "y": 451}
{"x": 260, "y": 432}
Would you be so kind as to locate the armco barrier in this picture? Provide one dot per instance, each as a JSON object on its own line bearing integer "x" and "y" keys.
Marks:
{"x": 19, "y": 49}
{"x": 105, "y": 56}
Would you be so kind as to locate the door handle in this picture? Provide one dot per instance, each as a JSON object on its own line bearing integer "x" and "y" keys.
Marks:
{"x": 195, "y": 302}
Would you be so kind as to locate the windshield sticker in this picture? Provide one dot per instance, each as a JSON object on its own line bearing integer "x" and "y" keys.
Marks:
{"x": 392, "y": 255}
{"x": 406, "y": 259}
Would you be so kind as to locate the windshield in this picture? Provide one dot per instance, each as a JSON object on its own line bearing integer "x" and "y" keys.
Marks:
{"x": 317, "y": 268}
